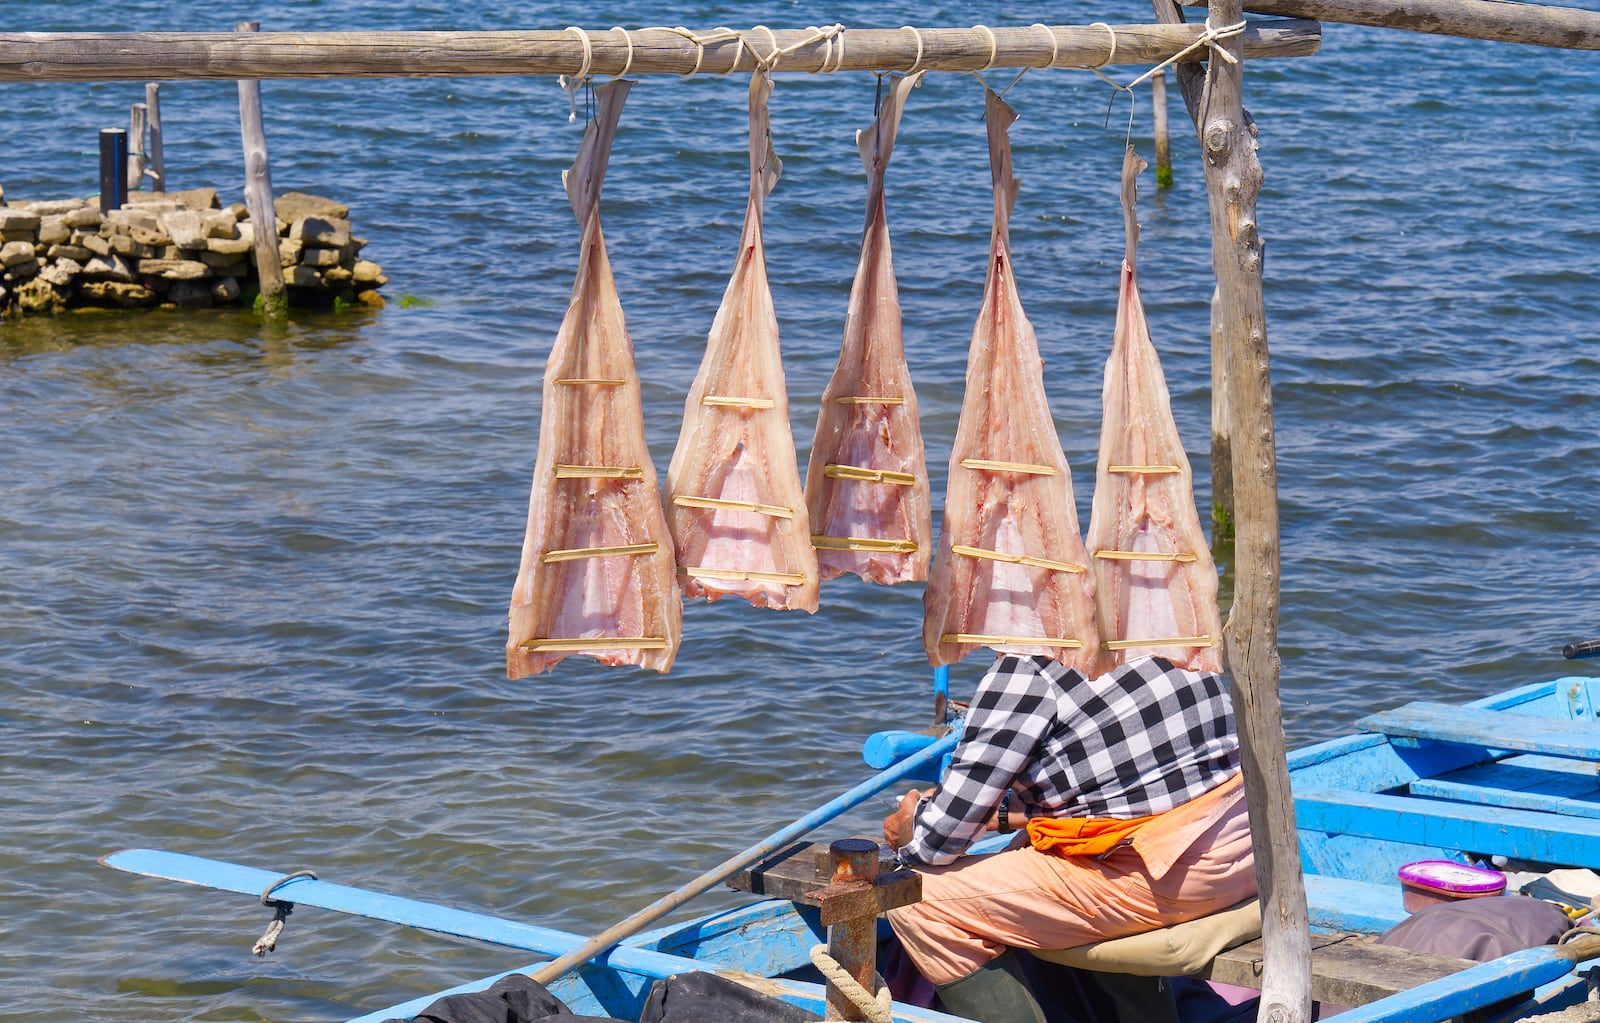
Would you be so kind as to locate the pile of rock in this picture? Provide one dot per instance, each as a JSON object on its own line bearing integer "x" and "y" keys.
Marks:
{"x": 175, "y": 249}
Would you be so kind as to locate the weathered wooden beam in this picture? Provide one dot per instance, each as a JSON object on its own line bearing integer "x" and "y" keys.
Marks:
{"x": 258, "y": 195}
{"x": 138, "y": 122}
{"x": 1233, "y": 183}
{"x": 1223, "y": 512}
{"x": 1566, "y": 28}
{"x": 117, "y": 56}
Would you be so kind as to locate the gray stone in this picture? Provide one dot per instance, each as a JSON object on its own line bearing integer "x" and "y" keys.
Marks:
{"x": 113, "y": 268}
{"x": 320, "y": 257}
{"x": 289, "y": 252}
{"x": 337, "y": 276}
{"x": 61, "y": 272}
{"x": 15, "y": 253}
{"x": 370, "y": 298}
{"x": 51, "y": 207}
{"x": 53, "y": 230}
{"x": 291, "y": 206}
{"x": 94, "y": 243}
{"x": 192, "y": 199}
{"x": 305, "y": 277}
{"x": 238, "y": 269}
{"x": 185, "y": 229}
{"x": 174, "y": 269}
{"x": 40, "y": 296}
{"x": 14, "y": 219}
{"x": 24, "y": 270}
{"x": 239, "y": 210}
{"x": 230, "y": 247}
{"x": 18, "y": 236}
{"x": 127, "y": 248}
{"x": 327, "y": 232}
{"x": 146, "y": 236}
{"x": 247, "y": 231}
{"x": 83, "y": 216}
{"x": 367, "y": 272}
{"x": 74, "y": 252}
{"x": 219, "y": 224}
{"x": 123, "y": 220}
{"x": 215, "y": 259}
{"x": 116, "y": 293}
{"x": 225, "y": 290}
{"x": 190, "y": 293}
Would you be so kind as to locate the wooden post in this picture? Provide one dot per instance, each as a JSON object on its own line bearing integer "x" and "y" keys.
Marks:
{"x": 258, "y": 195}
{"x": 853, "y": 943}
{"x": 137, "y": 120}
{"x": 1233, "y": 181}
{"x": 157, "y": 159}
{"x": 1223, "y": 512}
{"x": 1158, "y": 102}
{"x": 1568, "y": 28}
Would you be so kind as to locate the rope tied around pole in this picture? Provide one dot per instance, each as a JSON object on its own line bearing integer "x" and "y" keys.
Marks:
{"x": 994, "y": 46}
{"x": 875, "y": 1007}
{"x": 281, "y": 910}
{"x": 627, "y": 37}
{"x": 916, "y": 33}
{"x": 573, "y": 84}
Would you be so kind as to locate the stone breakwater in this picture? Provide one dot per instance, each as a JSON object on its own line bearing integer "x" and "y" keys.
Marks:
{"x": 175, "y": 249}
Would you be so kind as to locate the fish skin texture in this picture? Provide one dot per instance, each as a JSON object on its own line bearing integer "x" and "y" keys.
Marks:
{"x": 872, "y": 363}
{"x": 1147, "y": 512}
{"x": 739, "y": 453}
{"x": 1005, "y": 416}
{"x": 616, "y": 595}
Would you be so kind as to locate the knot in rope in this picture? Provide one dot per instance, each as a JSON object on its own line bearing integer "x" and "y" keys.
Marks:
{"x": 281, "y": 910}
{"x": 573, "y": 84}
{"x": 875, "y": 1007}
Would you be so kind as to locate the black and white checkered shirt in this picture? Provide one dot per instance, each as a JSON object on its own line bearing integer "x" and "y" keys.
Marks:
{"x": 1138, "y": 740}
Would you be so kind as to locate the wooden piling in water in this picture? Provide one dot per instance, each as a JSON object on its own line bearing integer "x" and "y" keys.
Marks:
{"x": 258, "y": 194}
{"x": 137, "y": 120}
{"x": 157, "y": 159}
{"x": 1158, "y": 103}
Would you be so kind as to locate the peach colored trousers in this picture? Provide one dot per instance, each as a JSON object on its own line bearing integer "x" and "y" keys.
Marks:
{"x": 976, "y": 908}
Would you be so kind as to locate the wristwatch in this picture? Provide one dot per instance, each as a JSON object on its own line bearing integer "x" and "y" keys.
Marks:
{"x": 1003, "y": 825}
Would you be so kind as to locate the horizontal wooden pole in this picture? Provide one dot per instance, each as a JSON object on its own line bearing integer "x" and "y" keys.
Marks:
{"x": 142, "y": 56}
{"x": 1567, "y": 28}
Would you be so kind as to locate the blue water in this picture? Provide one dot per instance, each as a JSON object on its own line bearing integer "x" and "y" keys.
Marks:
{"x": 253, "y": 584}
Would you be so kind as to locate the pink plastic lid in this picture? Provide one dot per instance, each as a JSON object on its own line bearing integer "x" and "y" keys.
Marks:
{"x": 1450, "y": 876}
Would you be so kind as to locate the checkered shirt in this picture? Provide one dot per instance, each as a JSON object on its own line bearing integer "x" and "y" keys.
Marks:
{"x": 1138, "y": 740}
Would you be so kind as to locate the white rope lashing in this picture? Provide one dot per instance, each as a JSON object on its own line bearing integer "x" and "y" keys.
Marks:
{"x": 627, "y": 37}
{"x": 572, "y": 85}
{"x": 994, "y": 46}
{"x": 875, "y": 1007}
{"x": 916, "y": 33}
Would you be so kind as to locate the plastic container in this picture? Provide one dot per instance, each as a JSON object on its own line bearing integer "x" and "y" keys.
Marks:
{"x": 1429, "y": 882}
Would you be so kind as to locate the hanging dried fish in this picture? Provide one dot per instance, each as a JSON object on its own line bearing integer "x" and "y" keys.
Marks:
{"x": 1156, "y": 585}
{"x": 597, "y": 576}
{"x": 1011, "y": 572}
{"x": 736, "y": 510}
{"x": 867, "y": 483}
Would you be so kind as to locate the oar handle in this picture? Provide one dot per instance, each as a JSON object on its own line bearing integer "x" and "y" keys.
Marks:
{"x": 1587, "y": 648}
{"x": 624, "y": 929}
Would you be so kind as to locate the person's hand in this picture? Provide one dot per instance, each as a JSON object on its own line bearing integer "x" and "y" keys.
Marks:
{"x": 897, "y": 826}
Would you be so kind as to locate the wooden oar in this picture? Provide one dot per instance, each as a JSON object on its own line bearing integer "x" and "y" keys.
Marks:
{"x": 630, "y": 926}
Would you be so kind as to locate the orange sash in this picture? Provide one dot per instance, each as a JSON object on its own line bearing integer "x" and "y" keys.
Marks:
{"x": 1084, "y": 836}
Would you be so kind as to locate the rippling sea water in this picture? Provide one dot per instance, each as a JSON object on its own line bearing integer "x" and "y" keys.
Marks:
{"x": 253, "y": 584}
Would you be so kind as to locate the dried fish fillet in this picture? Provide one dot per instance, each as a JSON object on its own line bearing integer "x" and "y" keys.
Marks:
{"x": 597, "y": 576}
{"x": 867, "y": 483}
{"x": 1011, "y": 572}
{"x": 1156, "y": 585}
{"x": 735, "y": 507}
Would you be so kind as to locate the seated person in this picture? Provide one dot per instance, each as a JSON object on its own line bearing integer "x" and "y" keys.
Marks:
{"x": 1128, "y": 785}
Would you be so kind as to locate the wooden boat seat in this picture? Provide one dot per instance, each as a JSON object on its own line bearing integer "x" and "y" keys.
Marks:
{"x": 1491, "y": 729}
{"x": 1184, "y": 949}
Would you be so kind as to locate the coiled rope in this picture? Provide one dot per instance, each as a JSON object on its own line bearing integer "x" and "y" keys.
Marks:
{"x": 874, "y": 1007}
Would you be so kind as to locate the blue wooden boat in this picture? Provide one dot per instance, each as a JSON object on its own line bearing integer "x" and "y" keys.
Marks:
{"x": 1511, "y": 775}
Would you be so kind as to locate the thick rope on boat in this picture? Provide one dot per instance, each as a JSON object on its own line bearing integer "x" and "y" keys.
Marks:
{"x": 874, "y": 1007}
{"x": 281, "y": 910}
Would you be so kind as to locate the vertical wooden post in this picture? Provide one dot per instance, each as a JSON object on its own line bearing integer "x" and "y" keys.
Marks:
{"x": 853, "y": 943}
{"x": 1233, "y": 182}
{"x": 136, "y": 159}
{"x": 157, "y": 159}
{"x": 258, "y": 194}
{"x": 1222, "y": 509}
{"x": 1158, "y": 102}
{"x": 113, "y": 169}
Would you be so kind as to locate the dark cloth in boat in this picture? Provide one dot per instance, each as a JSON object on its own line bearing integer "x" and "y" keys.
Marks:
{"x": 1479, "y": 929}
{"x": 517, "y": 998}
{"x": 708, "y": 998}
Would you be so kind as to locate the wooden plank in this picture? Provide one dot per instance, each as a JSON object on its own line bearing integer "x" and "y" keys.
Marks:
{"x": 158, "y": 157}
{"x": 258, "y": 194}
{"x": 1471, "y": 726}
{"x": 1558, "y": 798}
{"x": 1522, "y": 834}
{"x": 1537, "y": 24}
{"x": 143, "y": 56}
{"x": 1483, "y": 984}
{"x": 1337, "y": 904}
{"x": 1347, "y": 968}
